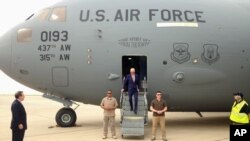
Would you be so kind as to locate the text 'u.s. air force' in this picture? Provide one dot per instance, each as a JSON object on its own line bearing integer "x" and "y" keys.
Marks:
{"x": 136, "y": 15}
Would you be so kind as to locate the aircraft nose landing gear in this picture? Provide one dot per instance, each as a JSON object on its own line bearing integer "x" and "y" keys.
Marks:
{"x": 66, "y": 117}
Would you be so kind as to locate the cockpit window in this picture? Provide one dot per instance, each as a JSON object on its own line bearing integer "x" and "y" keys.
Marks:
{"x": 58, "y": 14}
{"x": 24, "y": 35}
{"x": 43, "y": 14}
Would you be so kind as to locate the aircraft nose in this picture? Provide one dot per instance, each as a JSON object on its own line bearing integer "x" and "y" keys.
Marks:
{"x": 5, "y": 52}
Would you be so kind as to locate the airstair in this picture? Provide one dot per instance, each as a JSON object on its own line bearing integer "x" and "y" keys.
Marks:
{"x": 133, "y": 124}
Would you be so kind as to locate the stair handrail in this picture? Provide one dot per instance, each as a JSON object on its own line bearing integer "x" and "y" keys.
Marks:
{"x": 121, "y": 100}
{"x": 144, "y": 85}
{"x": 122, "y": 92}
{"x": 145, "y": 99}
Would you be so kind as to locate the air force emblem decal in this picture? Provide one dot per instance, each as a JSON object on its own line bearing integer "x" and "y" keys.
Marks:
{"x": 210, "y": 53}
{"x": 180, "y": 53}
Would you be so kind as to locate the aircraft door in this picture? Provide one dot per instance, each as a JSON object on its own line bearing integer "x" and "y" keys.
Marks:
{"x": 137, "y": 62}
{"x": 60, "y": 76}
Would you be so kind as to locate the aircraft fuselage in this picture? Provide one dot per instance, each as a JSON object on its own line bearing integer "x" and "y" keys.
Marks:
{"x": 196, "y": 53}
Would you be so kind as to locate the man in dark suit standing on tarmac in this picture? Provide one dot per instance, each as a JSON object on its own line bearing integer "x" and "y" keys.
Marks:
{"x": 19, "y": 119}
{"x": 132, "y": 85}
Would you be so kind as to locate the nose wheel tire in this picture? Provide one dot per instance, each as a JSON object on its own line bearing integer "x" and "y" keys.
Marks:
{"x": 66, "y": 117}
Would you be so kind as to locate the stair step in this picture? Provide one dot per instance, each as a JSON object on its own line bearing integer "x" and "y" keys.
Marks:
{"x": 131, "y": 113}
{"x": 140, "y": 108}
{"x": 139, "y": 96}
{"x": 133, "y": 131}
{"x": 140, "y": 103}
{"x": 139, "y": 99}
{"x": 140, "y": 93}
{"x": 133, "y": 122}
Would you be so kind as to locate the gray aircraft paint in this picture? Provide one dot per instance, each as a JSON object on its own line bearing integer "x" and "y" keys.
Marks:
{"x": 86, "y": 59}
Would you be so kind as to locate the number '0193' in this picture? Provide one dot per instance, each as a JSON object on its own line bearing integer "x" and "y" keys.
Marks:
{"x": 54, "y": 36}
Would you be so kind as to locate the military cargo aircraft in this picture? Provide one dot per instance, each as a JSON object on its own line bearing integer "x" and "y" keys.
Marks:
{"x": 196, "y": 52}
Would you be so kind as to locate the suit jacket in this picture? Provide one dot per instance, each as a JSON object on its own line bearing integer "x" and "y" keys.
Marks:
{"x": 130, "y": 85}
{"x": 18, "y": 115}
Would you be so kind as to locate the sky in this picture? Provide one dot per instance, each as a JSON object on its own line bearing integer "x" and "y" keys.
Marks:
{"x": 13, "y": 12}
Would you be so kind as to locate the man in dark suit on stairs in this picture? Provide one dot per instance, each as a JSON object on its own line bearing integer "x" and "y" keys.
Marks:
{"x": 132, "y": 85}
{"x": 19, "y": 119}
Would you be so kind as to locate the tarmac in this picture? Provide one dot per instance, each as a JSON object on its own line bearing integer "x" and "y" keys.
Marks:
{"x": 180, "y": 126}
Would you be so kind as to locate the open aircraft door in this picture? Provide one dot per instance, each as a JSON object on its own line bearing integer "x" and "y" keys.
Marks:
{"x": 139, "y": 62}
